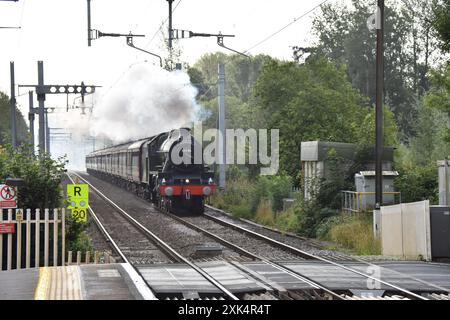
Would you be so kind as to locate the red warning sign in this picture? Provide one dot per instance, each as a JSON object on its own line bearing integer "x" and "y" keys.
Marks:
{"x": 8, "y": 196}
{"x": 7, "y": 228}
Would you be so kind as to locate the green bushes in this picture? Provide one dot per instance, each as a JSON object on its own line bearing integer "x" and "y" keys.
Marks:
{"x": 76, "y": 236}
{"x": 325, "y": 199}
{"x": 235, "y": 198}
{"x": 311, "y": 216}
{"x": 245, "y": 198}
{"x": 287, "y": 221}
{"x": 42, "y": 177}
{"x": 42, "y": 188}
{"x": 284, "y": 220}
{"x": 264, "y": 214}
{"x": 418, "y": 183}
{"x": 272, "y": 189}
{"x": 354, "y": 232}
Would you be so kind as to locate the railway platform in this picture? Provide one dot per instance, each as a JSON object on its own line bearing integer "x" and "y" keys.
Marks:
{"x": 75, "y": 282}
{"x": 120, "y": 281}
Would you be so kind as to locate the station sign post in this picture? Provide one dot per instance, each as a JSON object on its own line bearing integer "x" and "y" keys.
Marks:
{"x": 78, "y": 201}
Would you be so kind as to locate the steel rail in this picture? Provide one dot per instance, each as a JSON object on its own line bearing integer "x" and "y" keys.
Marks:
{"x": 291, "y": 235}
{"x": 278, "y": 266}
{"x": 116, "y": 247}
{"x": 164, "y": 245}
{"x": 312, "y": 256}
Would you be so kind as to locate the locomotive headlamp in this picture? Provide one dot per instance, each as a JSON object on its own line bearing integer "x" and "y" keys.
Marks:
{"x": 210, "y": 181}
{"x": 169, "y": 191}
{"x": 206, "y": 191}
{"x": 187, "y": 181}
{"x": 163, "y": 181}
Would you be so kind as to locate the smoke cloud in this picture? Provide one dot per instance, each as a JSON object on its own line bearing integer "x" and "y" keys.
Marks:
{"x": 70, "y": 138}
{"x": 146, "y": 101}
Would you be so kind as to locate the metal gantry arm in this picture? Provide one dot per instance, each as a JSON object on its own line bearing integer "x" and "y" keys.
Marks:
{"x": 185, "y": 34}
{"x": 220, "y": 43}
{"x": 131, "y": 44}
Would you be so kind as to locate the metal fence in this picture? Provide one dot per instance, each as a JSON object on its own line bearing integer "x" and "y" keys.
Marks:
{"x": 353, "y": 201}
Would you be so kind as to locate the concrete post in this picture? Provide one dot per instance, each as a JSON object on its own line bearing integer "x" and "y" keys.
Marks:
{"x": 89, "y": 21}
{"x": 13, "y": 107}
{"x": 47, "y": 133}
{"x": 221, "y": 139}
{"x": 31, "y": 118}
{"x": 41, "y": 100}
{"x": 444, "y": 182}
{"x": 379, "y": 108}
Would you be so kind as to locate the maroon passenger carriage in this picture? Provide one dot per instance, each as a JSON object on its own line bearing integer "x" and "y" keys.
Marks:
{"x": 146, "y": 168}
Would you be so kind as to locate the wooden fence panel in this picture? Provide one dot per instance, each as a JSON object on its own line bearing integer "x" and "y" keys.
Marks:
{"x": 28, "y": 234}
{"x": 38, "y": 231}
{"x": 28, "y": 239}
{"x": 9, "y": 244}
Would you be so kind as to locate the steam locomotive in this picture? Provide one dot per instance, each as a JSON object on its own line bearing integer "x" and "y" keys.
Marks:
{"x": 148, "y": 168}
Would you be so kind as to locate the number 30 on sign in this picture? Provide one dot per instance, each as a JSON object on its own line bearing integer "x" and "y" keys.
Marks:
{"x": 79, "y": 214}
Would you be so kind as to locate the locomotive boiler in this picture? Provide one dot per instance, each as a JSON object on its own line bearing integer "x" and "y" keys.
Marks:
{"x": 163, "y": 169}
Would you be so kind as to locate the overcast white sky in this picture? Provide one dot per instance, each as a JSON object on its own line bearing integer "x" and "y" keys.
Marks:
{"x": 55, "y": 31}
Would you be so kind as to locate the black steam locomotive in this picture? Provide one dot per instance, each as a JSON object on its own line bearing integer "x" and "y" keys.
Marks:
{"x": 147, "y": 168}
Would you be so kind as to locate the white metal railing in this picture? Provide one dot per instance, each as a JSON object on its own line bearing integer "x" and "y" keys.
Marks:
{"x": 353, "y": 201}
{"x": 296, "y": 189}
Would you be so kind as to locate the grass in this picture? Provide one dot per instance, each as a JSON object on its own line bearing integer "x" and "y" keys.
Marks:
{"x": 345, "y": 232}
{"x": 355, "y": 233}
{"x": 264, "y": 214}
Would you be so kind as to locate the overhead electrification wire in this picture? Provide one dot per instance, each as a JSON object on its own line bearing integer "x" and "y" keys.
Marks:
{"x": 286, "y": 26}
{"x": 162, "y": 25}
{"x": 20, "y": 22}
{"x": 121, "y": 76}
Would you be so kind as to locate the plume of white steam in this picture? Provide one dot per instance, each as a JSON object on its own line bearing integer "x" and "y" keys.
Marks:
{"x": 146, "y": 101}
{"x": 73, "y": 139}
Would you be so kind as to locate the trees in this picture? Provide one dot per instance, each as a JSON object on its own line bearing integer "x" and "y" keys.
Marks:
{"x": 5, "y": 125}
{"x": 409, "y": 46}
{"x": 441, "y": 22}
{"x": 240, "y": 72}
{"x": 438, "y": 97}
{"x": 366, "y": 131}
{"x": 242, "y": 111}
{"x": 313, "y": 101}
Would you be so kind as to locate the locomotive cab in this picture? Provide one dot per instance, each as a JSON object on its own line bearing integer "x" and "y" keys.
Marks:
{"x": 184, "y": 182}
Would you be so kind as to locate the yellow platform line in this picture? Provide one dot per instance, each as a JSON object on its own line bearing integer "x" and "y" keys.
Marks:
{"x": 43, "y": 285}
{"x": 59, "y": 283}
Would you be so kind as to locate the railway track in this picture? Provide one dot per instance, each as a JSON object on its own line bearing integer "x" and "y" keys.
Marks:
{"x": 127, "y": 241}
{"x": 224, "y": 232}
{"x": 228, "y": 229}
{"x": 303, "y": 243}
{"x": 323, "y": 291}
{"x": 152, "y": 244}
{"x": 303, "y": 246}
